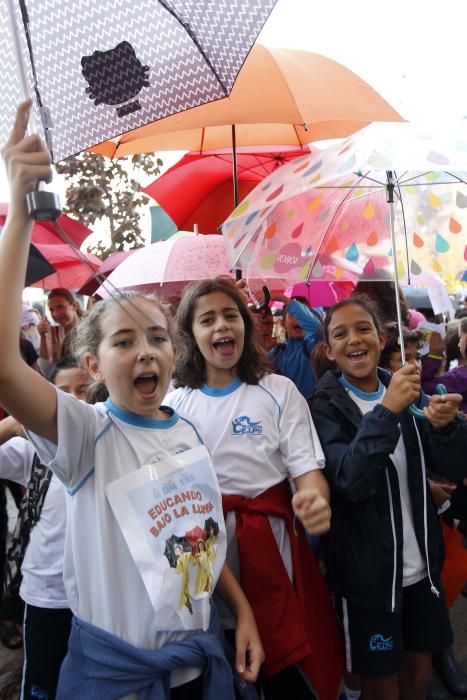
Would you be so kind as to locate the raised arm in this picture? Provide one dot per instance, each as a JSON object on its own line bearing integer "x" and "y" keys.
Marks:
{"x": 23, "y": 392}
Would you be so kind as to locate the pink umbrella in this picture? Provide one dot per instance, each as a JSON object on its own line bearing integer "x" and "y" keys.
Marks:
{"x": 321, "y": 293}
{"x": 199, "y": 189}
{"x": 94, "y": 280}
{"x": 167, "y": 266}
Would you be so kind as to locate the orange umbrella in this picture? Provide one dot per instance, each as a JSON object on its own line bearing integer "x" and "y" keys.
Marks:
{"x": 281, "y": 96}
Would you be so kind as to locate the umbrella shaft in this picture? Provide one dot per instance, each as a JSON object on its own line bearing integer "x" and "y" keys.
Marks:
{"x": 396, "y": 282}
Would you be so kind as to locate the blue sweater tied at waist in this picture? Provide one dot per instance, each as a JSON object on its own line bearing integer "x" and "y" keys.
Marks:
{"x": 101, "y": 666}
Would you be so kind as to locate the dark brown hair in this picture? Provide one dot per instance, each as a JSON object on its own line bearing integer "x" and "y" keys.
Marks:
{"x": 66, "y": 294}
{"x": 363, "y": 301}
{"x": 191, "y": 367}
{"x": 383, "y": 294}
{"x": 320, "y": 360}
{"x": 392, "y": 343}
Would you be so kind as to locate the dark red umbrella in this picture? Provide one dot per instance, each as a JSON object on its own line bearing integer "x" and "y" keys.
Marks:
{"x": 94, "y": 281}
{"x": 71, "y": 267}
{"x": 43, "y": 232}
{"x": 198, "y": 190}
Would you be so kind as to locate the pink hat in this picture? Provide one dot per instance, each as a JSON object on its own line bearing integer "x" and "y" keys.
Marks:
{"x": 415, "y": 318}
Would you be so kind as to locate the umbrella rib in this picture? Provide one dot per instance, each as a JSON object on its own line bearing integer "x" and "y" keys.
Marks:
{"x": 341, "y": 203}
{"x": 399, "y": 194}
{"x": 101, "y": 279}
{"x": 186, "y": 26}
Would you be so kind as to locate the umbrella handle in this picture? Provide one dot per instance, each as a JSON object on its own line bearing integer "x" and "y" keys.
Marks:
{"x": 417, "y": 412}
{"x": 266, "y": 299}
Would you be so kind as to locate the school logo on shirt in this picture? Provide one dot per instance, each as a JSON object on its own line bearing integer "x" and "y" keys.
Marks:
{"x": 380, "y": 643}
{"x": 245, "y": 426}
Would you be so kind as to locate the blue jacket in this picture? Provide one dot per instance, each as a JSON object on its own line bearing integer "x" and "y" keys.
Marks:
{"x": 100, "y": 665}
{"x": 292, "y": 358}
{"x": 365, "y": 544}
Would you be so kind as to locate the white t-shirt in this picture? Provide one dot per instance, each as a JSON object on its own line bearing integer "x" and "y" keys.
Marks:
{"x": 42, "y": 567}
{"x": 258, "y": 435}
{"x": 97, "y": 445}
{"x": 414, "y": 563}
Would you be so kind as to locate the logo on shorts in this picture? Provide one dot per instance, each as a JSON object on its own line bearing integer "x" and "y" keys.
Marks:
{"x": 245, "y": 426}
{"x": 380, "y": 643}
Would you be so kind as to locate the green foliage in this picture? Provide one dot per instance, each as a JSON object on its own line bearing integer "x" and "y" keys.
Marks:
{"x": 109, "y": 190}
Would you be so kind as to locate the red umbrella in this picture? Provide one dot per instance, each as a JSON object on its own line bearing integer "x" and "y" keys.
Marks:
{"x": 45, "y": 233}
{"x": 72, "y": 269}
{"x": 199, "y": 188}
{"x": 94, "y": 280}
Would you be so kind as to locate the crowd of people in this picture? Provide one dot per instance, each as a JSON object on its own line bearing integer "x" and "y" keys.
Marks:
{"x": 323, "y": 570}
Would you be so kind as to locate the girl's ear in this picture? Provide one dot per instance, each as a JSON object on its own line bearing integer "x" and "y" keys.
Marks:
{"x": 382, "y": 341}
{"x": 329, "y": 353}
{"x": 92, "y": 365}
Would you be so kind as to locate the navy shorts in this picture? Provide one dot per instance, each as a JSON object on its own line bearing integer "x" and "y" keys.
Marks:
{"x": 376, "y": 642}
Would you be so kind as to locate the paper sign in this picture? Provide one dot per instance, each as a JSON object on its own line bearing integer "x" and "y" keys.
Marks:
{"x": 440, "y": 300}
{"x": 427, "y": 329}
{"x": 170, "y": 513}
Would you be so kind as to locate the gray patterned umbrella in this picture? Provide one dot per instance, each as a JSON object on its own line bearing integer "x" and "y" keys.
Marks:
{"x": 104, "y": 67}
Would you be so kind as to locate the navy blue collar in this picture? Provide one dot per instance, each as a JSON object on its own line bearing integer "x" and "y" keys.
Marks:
{"x": 221, "y": 391}
{"x": 364, "y": 395}
{"x": 142, "y": 421}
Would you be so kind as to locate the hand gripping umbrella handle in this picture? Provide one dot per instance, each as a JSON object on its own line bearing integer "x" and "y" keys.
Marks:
{"x": 417, "y": 412}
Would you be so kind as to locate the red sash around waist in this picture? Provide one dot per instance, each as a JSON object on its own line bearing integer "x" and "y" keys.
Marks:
{"x": 296, "y": 621}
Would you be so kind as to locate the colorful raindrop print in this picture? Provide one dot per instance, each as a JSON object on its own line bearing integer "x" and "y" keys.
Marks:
{"x": 434, "y": 201}
{"x": 251, "y": 217}
{"x": 418, "y": 241}
{"x": 239, "y": 241}
{"x": 297, "y": 231}
{"x": 314, "y": 204}
{"x": 331, "y": 246}
{"x": 461, "y": 200}
{"x": 369, "y": 211}
{"x": 303, "y": 273}
{"x": 232, "y": 232}
{"x": 287, "y": 258}
{"x": 241, "y": 209}
{"x": 372, "y": 239}
{"x": 301, "y": 167}
{"x": 267, "y": 261}
{"x": 317, "y": 270}
{"x": 339, "y": 273}
{"x": 275, "y": 194}
{"x": 352, "y": 253}
{"x": 324, "y": 216}
{"x": 270, "y": 231}
{"x": 314, "y": 168}
{"x": 441, "y": 244}
{"x": 266, "y": 186}
{"x": 465, "y": 253}
{"x": 369, "y": 268}
{"x": 415, "y": 269}
{"x": 454, "y": 226}
{"x": 437, "y": 267}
